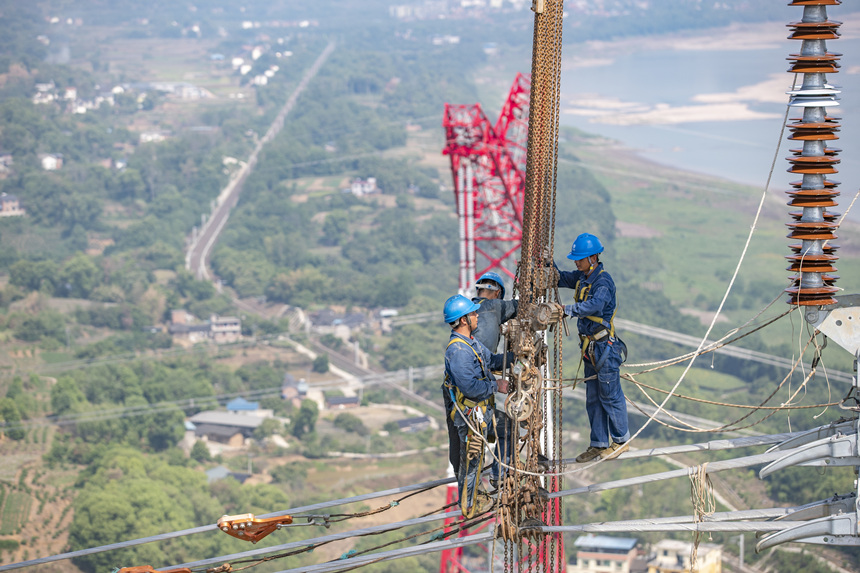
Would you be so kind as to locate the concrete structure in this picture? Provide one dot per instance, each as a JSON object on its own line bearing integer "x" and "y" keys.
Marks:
{"x": 9, "y": 206}
{"x": 219, "y": 329}
{"x": 220, "y": 472}
{"x": 51, "y": 161}
{"x": 414, "y": 424}
{"x": 225, "y": 427}
{"x": 362, "y": 187}
{"x": 225, "y": 329}
{"x": 341, "y": 402}
{"x": 603, "y": 554}
{"x": 673, "y": 556}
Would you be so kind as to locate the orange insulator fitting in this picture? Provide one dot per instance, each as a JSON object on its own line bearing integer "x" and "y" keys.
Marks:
{"x": 250, "y": 528}
{"x": 149, "y": 569}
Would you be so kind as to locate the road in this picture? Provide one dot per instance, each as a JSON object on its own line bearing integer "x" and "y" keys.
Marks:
{"x": 201, "y": 245}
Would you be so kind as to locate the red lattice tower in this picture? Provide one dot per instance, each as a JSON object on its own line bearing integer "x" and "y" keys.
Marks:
{"x": 488, "y": 166}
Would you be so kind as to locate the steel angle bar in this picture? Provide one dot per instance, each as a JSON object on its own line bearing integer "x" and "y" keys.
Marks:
{"x": 645, "y": 527}
{"x": 712, "y": 445}
{"x": 713, "y": 467}
{"x": 809, "y": 436}
{"x": 319, "y": 540}
{"x": 362, "y": 560}
{"x": 832, "y": 451}
{"x": 111, "y": 547}
{"x": 720, "y": 516}
{"x": 296, "y": 512}
{"x": 833, "y": 530}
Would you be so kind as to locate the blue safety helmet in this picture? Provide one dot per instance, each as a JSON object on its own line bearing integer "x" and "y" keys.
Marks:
{"x": 584, "y": 246}
{"x": 458, "y": 306}
{"x": 491, "y": 276}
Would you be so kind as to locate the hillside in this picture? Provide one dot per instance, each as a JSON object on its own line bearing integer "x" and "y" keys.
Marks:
{"x": 97, "y": 389}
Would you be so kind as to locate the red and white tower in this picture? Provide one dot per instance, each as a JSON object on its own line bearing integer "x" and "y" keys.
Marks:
{"x": 488, "y": 167}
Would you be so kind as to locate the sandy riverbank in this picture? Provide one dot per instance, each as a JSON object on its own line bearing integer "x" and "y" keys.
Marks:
{"x": 705, "y": 107}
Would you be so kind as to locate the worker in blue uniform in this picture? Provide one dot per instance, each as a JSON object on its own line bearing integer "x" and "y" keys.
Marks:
{"x": 494, "y": 311}
{"x": 468, "y": 395}
{"x": 594, "y": 305}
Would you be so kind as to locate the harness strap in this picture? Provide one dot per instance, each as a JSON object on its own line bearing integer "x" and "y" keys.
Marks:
{"x": 467, "y": 404}
{"x": 580, "y": 294}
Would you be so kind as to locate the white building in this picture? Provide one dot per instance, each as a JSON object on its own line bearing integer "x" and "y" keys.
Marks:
{"x": 673, "y": 556}
{"x": 360, "y": 187}
{"x": 602, "y": 554}
{"x": 51, "y": 161}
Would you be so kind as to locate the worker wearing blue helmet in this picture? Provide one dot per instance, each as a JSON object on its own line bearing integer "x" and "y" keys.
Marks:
{"x": 603, "y": 353}
{"x": 494, "y": 311}
{"x": 468, "y": 395}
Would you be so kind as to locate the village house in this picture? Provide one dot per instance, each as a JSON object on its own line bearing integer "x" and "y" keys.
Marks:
{"x": 9, "y": 206}
{"x": 185, "y": 328}
{"x": 51, "y": 161}
{"x": 341, "y": 402}
{"x": 228, "y": 428}
{"x": 673, "y": 556}
{"x": 603, "y": 554}
{"x": 361, "y": 187}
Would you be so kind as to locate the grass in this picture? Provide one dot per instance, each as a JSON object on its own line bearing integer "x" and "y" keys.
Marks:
{"x": 16, "y": 510}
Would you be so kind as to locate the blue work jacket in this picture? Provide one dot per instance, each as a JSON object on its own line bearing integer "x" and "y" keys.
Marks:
{"x": 466, "y": 371}
{"x": 491, "y": 315}
{"x": 599, "y": 300}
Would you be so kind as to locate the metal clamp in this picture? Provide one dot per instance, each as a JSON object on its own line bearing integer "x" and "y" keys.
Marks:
{"x": 831, "y": 530}
{"x": 837, "y": 450}
{"x": 839, "y": 427}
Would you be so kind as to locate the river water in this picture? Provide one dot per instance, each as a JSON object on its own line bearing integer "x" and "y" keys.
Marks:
{"x": 665, "y": 84}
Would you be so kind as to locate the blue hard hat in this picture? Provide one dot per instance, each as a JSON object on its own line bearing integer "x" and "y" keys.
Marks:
{"x": 491, "y": 276}
{"x": 458, "y": 306}
{"x": 584, "y": 246}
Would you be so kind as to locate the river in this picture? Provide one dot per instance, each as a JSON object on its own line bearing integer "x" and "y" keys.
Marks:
{"x": 713, "y": 104}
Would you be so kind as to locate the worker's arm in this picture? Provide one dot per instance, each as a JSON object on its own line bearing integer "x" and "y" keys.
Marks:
{"x": 568, "y": 279}
{"x": 593, "y": 306}
{"x": 509, "y": 310}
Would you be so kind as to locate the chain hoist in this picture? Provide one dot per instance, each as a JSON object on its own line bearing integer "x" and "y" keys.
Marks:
{"x": 534, "y": 400}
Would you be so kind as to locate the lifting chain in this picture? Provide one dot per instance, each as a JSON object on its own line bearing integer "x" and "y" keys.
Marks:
{"x": 534, "y": 401}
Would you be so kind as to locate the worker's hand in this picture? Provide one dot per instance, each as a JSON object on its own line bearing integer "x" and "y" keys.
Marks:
{"x": 560, "y": 308}
{"x": 546, "y": 256}
{"x": 502, "y": 385}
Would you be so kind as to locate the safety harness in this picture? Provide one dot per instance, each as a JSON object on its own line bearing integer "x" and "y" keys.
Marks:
{"x": 474, "y": 408}
{"x": 581, "y": 292}
{"x": 477, "y": 411}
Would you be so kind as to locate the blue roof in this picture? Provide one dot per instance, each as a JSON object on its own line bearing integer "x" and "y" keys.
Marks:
{"x": 242, "y": 404}
{"x": 605, "y": 542}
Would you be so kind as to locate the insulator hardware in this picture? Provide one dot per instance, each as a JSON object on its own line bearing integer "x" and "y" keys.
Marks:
{"x": 149, "y": 569}
{"x": 250, "y": 528}
{"x": 812, "y": 259}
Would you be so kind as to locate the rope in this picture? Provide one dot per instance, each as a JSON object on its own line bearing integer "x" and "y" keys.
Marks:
{"x": 704, "y": 504}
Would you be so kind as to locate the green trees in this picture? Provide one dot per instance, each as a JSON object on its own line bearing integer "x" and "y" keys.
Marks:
{"x": 350, "y": 423}
{"x": 11, "y": 416}
{"x": 305, "y": 419}
{"x": 200, "y": 453}
{"x": 320, "y": 364}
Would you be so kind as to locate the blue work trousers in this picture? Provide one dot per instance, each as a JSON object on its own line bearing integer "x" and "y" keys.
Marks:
{"x": 604, "y": 398}
{"x": 503, "y": 448}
